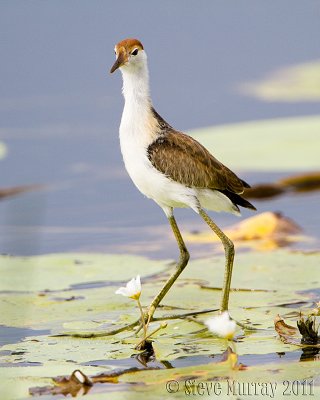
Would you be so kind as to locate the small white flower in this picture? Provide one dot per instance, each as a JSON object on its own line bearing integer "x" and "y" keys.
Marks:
{"x": 132, "y": 289}
{"x": 222, "y": 325}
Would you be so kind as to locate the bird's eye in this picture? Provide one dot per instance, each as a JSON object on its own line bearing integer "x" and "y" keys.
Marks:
{"x": 134, "y": 52}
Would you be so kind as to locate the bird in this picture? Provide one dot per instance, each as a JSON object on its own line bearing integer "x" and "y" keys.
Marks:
{"x": 170, "y": 167}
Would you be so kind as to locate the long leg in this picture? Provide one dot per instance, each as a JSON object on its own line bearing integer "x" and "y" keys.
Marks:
{"x": 181, "y": 264}
{"x": 229, "y": 252}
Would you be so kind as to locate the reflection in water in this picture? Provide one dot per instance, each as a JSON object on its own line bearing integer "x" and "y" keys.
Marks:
{"x": 307, "y": 354}
{"x": 24, "y": 217}
{"x": 310, "y": 354}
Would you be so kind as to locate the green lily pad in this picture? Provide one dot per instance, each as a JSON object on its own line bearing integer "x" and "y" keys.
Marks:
{"x": 61, "y": 271}
{"x": 288, "y": 144}
{"x": 268, "y": 284}
{"x": 191, "y": 381}
{"x": 292, "y": 84}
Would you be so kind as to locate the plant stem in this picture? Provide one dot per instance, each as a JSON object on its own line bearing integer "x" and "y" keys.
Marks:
{"x": 142, "y": 319}
{"x": 162, "y": 326}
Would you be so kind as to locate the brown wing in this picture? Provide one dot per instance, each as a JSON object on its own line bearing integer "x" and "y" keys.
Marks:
{"x": 183, "y": 159}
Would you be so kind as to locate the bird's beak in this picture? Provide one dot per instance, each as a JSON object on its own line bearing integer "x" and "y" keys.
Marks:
{"x": 121, "y": 60}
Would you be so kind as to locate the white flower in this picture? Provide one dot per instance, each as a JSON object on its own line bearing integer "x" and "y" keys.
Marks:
{"x": 222, "y": 325}
{"x": 132, "y": 289}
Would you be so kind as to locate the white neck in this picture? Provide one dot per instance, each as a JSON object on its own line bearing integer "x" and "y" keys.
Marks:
{"x": 137, "y": 120}
{"x": 135, "y": 88}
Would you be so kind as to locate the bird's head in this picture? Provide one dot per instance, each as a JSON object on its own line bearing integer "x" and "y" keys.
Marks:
{"x": 129, "y": 55}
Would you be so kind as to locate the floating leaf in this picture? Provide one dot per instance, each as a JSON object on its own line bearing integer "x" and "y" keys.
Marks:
{"x": 191, "y": 381}
{"x": 301, "y": 183}
{"x": 285, "y": 331}
{"x": 16, "y": 382}
{"x": 306, "y": 182}
{"x": 78, "y": 382}
{"x": 264, "y": 191}
{"x": 61, "y": 271}
{"x": 265, "y": 231}
{"x": 185, "y": 348}
{"x": 292, "y": 84}
{"x": 288, "y": 144}
{"x": 303, "y": 336}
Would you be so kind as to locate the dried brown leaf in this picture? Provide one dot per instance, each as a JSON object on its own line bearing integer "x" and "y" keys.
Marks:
{"x": 263, "y": 191}
{"x": 306, "y": 182}
{"x": 267, "y": 224}
{"x": 77, "y": 384}
{"x": 302, "y": 336}
{"x": 302, "y": 183}
{"x": 265, "y": 231}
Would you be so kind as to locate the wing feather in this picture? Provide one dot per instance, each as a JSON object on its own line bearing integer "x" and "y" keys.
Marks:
{"x": 184, "y": 160}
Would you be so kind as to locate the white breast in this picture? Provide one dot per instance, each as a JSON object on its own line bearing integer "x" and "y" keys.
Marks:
{"x": 135, "y": 137}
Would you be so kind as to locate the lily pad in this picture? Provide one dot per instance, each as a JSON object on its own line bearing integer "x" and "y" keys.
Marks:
{"x": 264, "y": 284}
{"x": 61, "y": 271}
{"x": 15, "y": 382}
{"x": 217, "y": 378}
{"x": 292, "y": 84}
{"x": 288, "y": 144}
{"x": 157, "y": 380}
